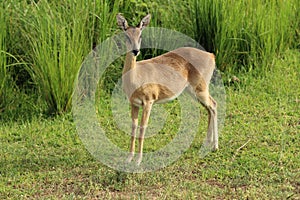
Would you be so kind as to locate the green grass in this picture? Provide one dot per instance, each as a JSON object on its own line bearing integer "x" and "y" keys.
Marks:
{"x": 3, "y": 65}
{"x": 246, "y": 34}
{"x": 258, "y": 156}
{"x": 59, "y": 36}
{"x": 10, "y": 95}
{"x": 3, "y": 47}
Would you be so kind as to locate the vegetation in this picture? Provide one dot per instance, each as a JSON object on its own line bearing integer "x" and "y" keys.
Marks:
{"x": 42, "y": 45}
{"x": 3, "y": 73}
{"x": 246, "y": 34}
{"x": 51, "y": 39}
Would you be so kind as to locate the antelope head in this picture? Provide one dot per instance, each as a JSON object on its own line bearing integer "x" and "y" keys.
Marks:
{"x": 133, "y": 34}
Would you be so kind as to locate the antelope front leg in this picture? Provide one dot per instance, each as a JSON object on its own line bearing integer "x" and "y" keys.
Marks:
{"x": 134, "y": 116}
{"x": 144, "y": 122}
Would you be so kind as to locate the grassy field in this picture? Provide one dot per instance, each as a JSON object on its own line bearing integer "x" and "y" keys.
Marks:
{"x": 42, "y": 45}
{"x": 258, "y": 156}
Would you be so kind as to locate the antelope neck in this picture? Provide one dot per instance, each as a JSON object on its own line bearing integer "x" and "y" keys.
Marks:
{"x": 130, "y": 62}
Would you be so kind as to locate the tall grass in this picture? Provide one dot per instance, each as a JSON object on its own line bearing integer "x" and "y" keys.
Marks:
{"x": 59, "y": 35}
{"x": 57, "y": 44}
{"x": 245, "y": 34}
{"x": 7, "y": 61}
{"x": 54, "y": 36}
{"x": 14, "y": 102}
{"x": 3, "y": 73}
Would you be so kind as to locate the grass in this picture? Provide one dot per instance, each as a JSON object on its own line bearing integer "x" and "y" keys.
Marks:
{"x": 258, "y": 156}
{"x": 3, "y": 65}
{"x": 241, "y": 39}
{"x": 55, "y": 38}
{"x": 10, "y": 95}
{"x": 58, "y": 40}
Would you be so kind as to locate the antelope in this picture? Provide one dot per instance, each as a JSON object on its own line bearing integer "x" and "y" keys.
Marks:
{"x": 162, "y": 79}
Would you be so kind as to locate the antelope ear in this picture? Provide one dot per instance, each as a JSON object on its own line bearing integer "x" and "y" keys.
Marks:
{"x": 122, "y": 22}
{"x": 145, "y": 22}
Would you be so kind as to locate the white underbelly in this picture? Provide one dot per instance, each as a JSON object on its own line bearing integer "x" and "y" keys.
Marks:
{"x": 168, "y": 99}
{"x": 139, "y": 102}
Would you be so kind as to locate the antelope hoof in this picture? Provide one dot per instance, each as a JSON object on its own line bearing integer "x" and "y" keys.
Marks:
{"x": 211, "y": 145}
{"x": 139, "y": 160}
{"x": 215, "y": 147}
{"x": 130, "y": 157}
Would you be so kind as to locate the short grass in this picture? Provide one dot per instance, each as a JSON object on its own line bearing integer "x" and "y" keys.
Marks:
{"x": 258, "y": 157}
